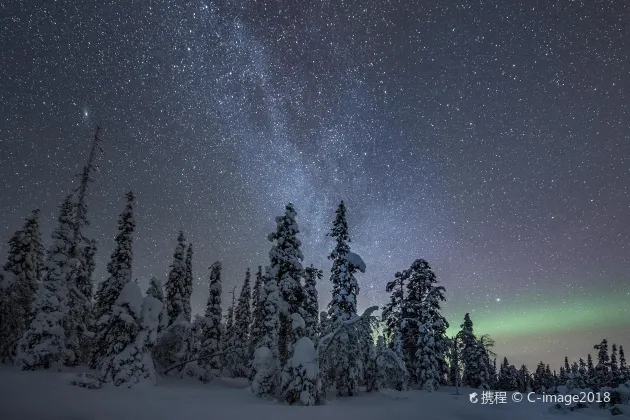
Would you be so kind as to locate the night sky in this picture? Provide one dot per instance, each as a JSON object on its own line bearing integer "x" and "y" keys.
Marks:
{"x": 490, "y": 138}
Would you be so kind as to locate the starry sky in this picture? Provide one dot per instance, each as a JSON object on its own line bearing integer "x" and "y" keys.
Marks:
{"x": 490, "y": 138}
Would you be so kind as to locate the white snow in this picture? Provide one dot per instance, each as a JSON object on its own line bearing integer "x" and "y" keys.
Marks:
{"x": 46, "y": 395}
{"x": 304, "y": 355}
{"x": 356, "y": 261}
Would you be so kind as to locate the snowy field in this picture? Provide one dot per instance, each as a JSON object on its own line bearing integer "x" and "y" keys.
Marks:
{"x": 43, "y": 395}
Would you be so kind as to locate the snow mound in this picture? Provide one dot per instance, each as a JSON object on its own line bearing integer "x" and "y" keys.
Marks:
{"x": 356, "y": 261}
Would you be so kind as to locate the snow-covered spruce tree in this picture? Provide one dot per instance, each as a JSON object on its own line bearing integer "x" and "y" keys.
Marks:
{"x": 311, "y": 306}
{"x": 393, "y": 312}
{"x": 119, "y": 269}
{"x": 428, "y": 358}
{"x": 422, "y": 306}
{"x": 43, "y": 344}
{"x": 345, "y": 352}
{"x": 176, "y": 342}
{"x": 524, "y": 380}
{"x": 18, "y": 285}
{"x": 229, "y": 359}
{"x": 574, "y": 379}
{"x": 474, "y": 358}
{"x": 155, "y": 291}
{"x": 131, "y": 332}
{"x": 591, "y": 376}
{"x": 242, "y": 321}
{"x": 176, "y": 284}
{"x": 258, "y": 313}
{"x": 213, "y": 328}
{"x": 508, "y": 377}
{"x": 266, "y": 363}
{"x": 602, "y": 369}
{"x": 188, "y": 283}
{"x": 285, "y": 266}
{"x": 614, "y": 367}
{"x": 305, "y": 385}
{"x": 623, "y": 366}
{"x": 79, "y": 320}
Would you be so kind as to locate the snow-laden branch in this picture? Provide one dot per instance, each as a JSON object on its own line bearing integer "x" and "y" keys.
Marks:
{"x": 328, "y": 338}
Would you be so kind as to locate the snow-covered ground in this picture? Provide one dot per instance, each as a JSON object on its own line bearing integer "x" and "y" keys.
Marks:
{"x": 44, "y": 395}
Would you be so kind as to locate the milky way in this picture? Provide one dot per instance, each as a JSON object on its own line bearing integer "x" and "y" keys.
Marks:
{"x": 491, "y": 139}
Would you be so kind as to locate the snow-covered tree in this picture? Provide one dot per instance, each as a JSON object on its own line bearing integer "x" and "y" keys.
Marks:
{"x": 258, "y": 313}
{"x": 229, "y": 360}
{"x": 623, "y": 366}
{"x": 266, "y": 364}
{"x": 43, "y": 344}
{"x": 591, "y": 374}
{"x": 614, "y": 367}
{"x": 311, "y": 306}
{"x": 18, "y": 285}
{"x": 155, "y": 290}
{"x": 285, "y": 265}
{"x": 602, "y": 369}
{"x": 343, "y": 361}
{"x": 508, "y": 377}
{"x": 421, "y": 306}
{"x": 188, "y": 283}
{"x": 474, "y": 358}
{"x": 524, "y": 380}
{"x": 119, "y": 269}
{"x": 242, "y": 321}
{"x": 131, "y": 332}
{"x": 213, "y": 328}
{"x": 176, "y": 285}
{"x": 305, "y": 385}
{"x": 80, "y": 283}
{"x": 393, "y": 312}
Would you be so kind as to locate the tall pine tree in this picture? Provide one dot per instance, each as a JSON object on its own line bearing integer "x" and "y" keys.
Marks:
{"x": 343, "y": 360}
{"x": 176, "y": 284}
{"x": 474, "y": 358}
{"x": 285, "y": 265}
{"x": 311, "y": 306}
{"x": 119, "y": 269}
{"x": 43, "y": 344}
{"x": 213, "y": 329}
{"x": 242, "y": 321}
{"x": 258, "y": 313}
{"x": 18, "y": 285}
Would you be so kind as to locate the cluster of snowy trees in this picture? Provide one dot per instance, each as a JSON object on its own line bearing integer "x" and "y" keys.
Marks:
{"x": 274, "y": 334}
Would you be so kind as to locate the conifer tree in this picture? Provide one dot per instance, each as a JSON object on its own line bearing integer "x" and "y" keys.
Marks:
{"x": 285, "y": 265}
{"x": 229, "y": 359}
{"x": 155, "y": 291}
{"x": 258, "y": 313}
{"x": 213, "y": 329}
{"x": 508, "y": 377}
{"x": 602, "y": 370}
{"x": 79, "y": 321}
{"x": 474, "y": 358}
{"x": 614, "y": 367}
{"x": 43, "y": 344}
{"x": 242, "y": 321}
{"x": 422, "y": 306}
{"x": 311, "y": 307}
{"x": 591, "y": 374}
{"x": 623, "y": 367}
{"x": 524, "y": 379}
{"x": 188, "y": 284}
{"x": 176, "y": 292}
{"x": 266, "y": 368}
{"x": 18, "y": 285}
{"x": 131, "y": 333}
{"x": 345, "y": 351}
{"x": 393, "y": 312}
{"x": 119, "y": 269}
